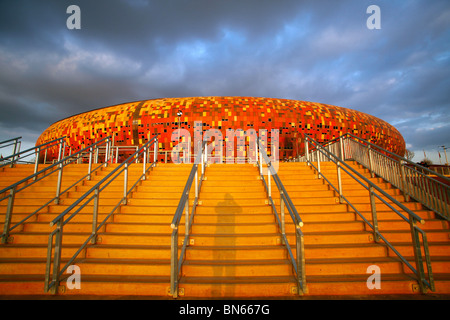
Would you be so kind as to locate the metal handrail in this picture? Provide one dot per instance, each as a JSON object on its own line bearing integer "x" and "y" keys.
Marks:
{"x": 412, "y": 179}
{"x": 298, "y": 262}
{"x": 34, "y": 178}
{"x": 176, "y": 260}
{"x": 412, "y": 218}
{"x": 34, "y": 150}
{"x": 11, "y": 142}
{"x": 54, "y": 253}
{"x": 399, "y": 157}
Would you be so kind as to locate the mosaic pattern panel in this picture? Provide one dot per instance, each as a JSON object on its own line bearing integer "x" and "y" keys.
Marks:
{"x": 133, "y": 123}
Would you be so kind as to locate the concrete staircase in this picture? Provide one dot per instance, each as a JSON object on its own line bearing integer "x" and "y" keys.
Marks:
{"x": 132, "y": 253}
{"x": 236, "y": 249}
{"x": 339, "y": 246}
{"x": 235, "y": 246}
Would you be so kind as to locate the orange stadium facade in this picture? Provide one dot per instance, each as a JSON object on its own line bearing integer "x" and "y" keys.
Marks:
{"x": 133, "y": 123}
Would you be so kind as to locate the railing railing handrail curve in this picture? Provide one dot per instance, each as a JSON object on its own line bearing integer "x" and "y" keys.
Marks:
{"x": 36, "y": 149}
{"x": 96, "y": 189}
{"x": 114, "y": 171}
{"x": 34, "y": 178}
{"x": 298, "y": 262}
{"x": 340, "y": 163}
{"x": 56, "y": 164}
{"x": 420, "y": 183}
{"x": 176, "y": 260}
{"x": 415, "y": 165}
{"x": 9, "y": 140}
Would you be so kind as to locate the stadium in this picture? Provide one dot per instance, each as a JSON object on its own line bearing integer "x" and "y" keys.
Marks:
{"x": 132, "y": 124}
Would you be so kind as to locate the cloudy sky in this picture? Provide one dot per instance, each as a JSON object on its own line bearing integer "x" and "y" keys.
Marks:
{"x": 320, "y": 51}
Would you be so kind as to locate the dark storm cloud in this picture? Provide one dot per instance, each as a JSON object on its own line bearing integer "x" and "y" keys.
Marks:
{"x": 319, "y": 51}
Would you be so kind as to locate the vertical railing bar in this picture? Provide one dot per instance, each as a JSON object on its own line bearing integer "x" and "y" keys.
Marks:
{"x": 48, "y": 265}
{"x": 59, "y": 182}
{"x": 417, "y": 254}
{"x": 57, "y": 255}
{"x": 307, "y": 150}
{"x": 95, "y": 215}
{"x": 338, "y": 169}
{"x": 369, "y": 160}
{"x": 282, "y": 217}
{"x": 144, "y": 164}
{"x": 8, "y": 216}
{"x": 318, "y": 163}
{"x": 90, "y": 163}
{"x": 36, "y": 162}
{"x": 374, "y": 213}
{"x": 125, "y": 184}
{"x": 428, "y": 261}
{"x": 174, "y": 263}
{"x": 186, "y": 216}
{"x": 300, "y": 256}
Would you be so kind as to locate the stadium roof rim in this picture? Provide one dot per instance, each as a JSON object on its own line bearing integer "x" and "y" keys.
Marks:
{"x": 152, "y": 99}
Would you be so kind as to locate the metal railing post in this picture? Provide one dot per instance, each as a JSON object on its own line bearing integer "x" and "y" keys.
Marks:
{"x": 307, "y": 151}
{"x": 13, "y": 160}
{"x": 282, "y": 217}
{"x": 373, "y": 209}
{"x": 144, "y": 165}
{"x": 186, "y": 217}
{"x": 417, "y": 254}
{"x": 338, "y": 169}
{"x": 125, "y": 184}
{"x": 260, "y": 161}
{"x": 60, "y": 150}
{"x": 58, "y": 185}
{"x": 300, "y": 255}
{"x": 155, "y": 155}
{"x": 36, "y": 162}
{"x": 96, "y": 154}
{"x": 174, "y": 263}
{"x": 57, "y": 255}
{"x": 91, "y": 150}
{"x": 196, "y": 184}
{"x": 137, "y": 158}
{"x": 206, "y": 156}
{"x": 203, "y": 163}
{"x": 108, "y": 142}
{"x": 318, "y": 164}
{"x": 95, "y": 215}
{"x": 405, "y": 186}
{"x": 8, "y": 216}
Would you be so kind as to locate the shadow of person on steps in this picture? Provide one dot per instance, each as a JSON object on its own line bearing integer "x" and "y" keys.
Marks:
{"x": 224, "y": 253}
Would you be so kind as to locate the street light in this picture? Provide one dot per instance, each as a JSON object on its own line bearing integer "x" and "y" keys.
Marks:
{"x": 179, "y": 114}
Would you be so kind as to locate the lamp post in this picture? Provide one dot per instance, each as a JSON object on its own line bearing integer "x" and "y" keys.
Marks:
{"x": 179, "y": 114}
